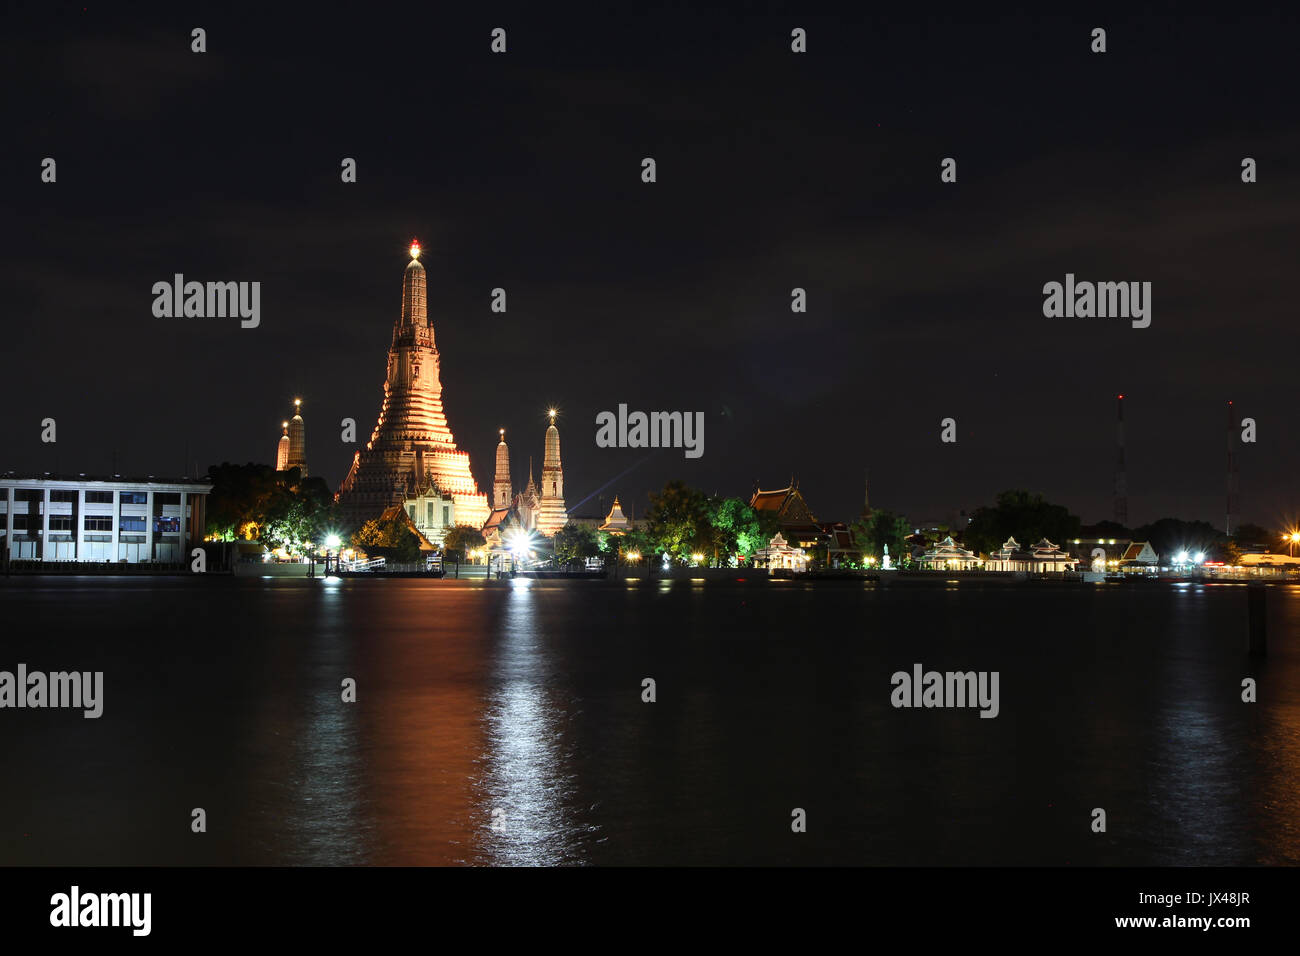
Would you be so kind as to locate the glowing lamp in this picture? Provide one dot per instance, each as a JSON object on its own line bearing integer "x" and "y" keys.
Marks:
{"x": 415, "y": 249}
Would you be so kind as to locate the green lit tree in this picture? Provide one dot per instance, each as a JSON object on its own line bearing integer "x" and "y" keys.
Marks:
{"x": 736, "y": 529}
{"x": 678, "y": 522}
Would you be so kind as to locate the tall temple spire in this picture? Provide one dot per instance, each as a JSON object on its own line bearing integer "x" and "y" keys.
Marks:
{"x": 297, "y": 440}
{"x": 282, "y": 449}
{"x": 412, "y": 426}
{"x": 415, "y": 299}
{"x": 551, "y": 515}
{"x": 503, "y": 492}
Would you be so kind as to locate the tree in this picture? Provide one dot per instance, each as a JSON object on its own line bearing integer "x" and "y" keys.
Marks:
{"x": 880, "y": 529}
{"x": 678, "y": 522}
{"x": 461, "y": 539}
{"x": 1228, "y": 551}
{"x": 1024, "y": 516}
{"x": 393, "y": 536}
{"x": 1253, "y": 534}
{"x": 736, "y": 529}
{"x": 575, "y": 542}
{"x": 633, "y": 541}
{"x": 256, "y": 502}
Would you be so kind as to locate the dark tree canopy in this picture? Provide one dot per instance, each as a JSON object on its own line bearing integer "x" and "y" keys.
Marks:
{"x": 1026, "y": 517}
{"x": 257, "y": 503}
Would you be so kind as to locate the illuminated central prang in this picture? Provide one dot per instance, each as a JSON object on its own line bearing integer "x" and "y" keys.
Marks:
{"x": 412, "y": 445}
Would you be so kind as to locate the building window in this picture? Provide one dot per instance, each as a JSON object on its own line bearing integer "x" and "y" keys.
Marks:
{"x": 99, "y": 497}
{"x": 134, "y": 497}
{"x": 28, "y": 494}
{"x": 64, "y": 497}
{"x": 446, "y": 515}
{"x": 99, "y": 523}
{"x": 429, "y": 511}
{"x": 411, "y": 510}
{"x": 131, "y": 524}
{"x": 60, "y": 522}
{"x": 164, "y": 525}
{"x": 167, "y": 498}
{"x": 20, "y": 522}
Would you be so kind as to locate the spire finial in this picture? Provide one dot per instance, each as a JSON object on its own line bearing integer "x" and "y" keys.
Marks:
{"x": 415, "y": 248}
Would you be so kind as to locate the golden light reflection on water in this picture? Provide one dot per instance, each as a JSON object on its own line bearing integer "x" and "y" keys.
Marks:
{"x": 523, "y": 796}
{"x": 462, "y": 747}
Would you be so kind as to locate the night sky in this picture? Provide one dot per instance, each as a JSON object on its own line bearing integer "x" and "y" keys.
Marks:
{"x": 775, "y": 170}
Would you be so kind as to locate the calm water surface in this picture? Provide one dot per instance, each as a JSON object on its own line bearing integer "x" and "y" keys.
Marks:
{"x": 520, "y": 702}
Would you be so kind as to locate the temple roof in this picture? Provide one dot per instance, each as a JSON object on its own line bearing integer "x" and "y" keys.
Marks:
{"x": 495, "y": 518}
{"x": 769, "y": 500}
{"x": 616, "y": 520}
{"x": 397, "y": 511}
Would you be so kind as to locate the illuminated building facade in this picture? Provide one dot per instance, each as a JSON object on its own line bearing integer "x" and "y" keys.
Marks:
{"x": 551, "y": 515}
{"x": 432, "y": 511}
{"x": 532, "y": 509}
{"x": 282, "y": 450}
{"x": 101, "y": 519}
{"x": 616, "y": 522}
{"x": 297, "y": 440}
{"x": 411, "y": 444}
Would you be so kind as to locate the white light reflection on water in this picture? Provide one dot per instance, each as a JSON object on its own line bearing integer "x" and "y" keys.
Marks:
{"x": 525, "y": 804}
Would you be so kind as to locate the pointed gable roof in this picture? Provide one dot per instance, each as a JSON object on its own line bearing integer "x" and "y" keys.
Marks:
{"x": 398, "y": 511}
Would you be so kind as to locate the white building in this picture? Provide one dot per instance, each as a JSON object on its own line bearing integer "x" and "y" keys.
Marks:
{"x": 432, "y": 511}
{"x": 101, "y": 519}
{"x": 1042, "y": 558}
{"x": 780, "y": 556}
{"x": 947, "y": 555}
